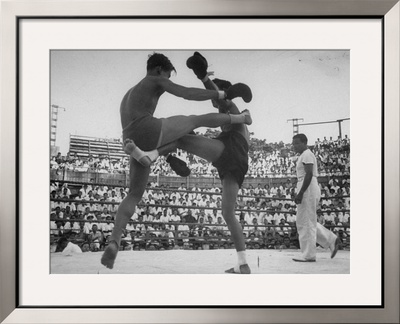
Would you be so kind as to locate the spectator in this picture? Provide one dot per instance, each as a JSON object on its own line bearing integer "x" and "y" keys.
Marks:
{"x": 294, "y": 237}
{"x": 278, "y": 237}
{"x": 220, "y": 226}
{"x": 278, "y": 217}
{"x": 167, "y": 237}
{"x": 183, "y": 233}
{"x": 329, "y": 219}
{"x": 95, "y": 238}
{"x": 71, "y": 227}
{"x": 106, "y": 228}
{"x": 129, "y": 227}
{"x": 147, "y": 216}
{"x": 165, "y": 217}
{"x": 104, "y": 214}
{"x": 291, "y": 219}
{"x": 183, "y": 211}
{"x": 67, "y": 248}
{"x": 89, "y": 224}
{"x": 287, "y": 244}
{"x": 190, "y": 219}
{"x": 175, "y": 218}
{"x": 56, "y": 228}
{"x": 269, "y": 241}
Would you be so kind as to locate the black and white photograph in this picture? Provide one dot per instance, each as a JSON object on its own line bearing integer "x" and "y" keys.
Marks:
{"x": 187, "y": 162}
{"x": 198, "y": 162}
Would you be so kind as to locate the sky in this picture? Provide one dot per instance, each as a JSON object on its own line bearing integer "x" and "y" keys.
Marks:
{"x": 309, "y": 85}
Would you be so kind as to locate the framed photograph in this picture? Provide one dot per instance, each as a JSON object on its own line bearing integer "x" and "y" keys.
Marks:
{"x": 66, "y": 57}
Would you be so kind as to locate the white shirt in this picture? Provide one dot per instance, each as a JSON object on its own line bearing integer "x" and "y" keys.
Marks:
{"x": 107, "y": 228}
{"x": 248, "y": 218}
{"x": 291, "y": 218}
{"x": 88, "y": 227}
{"x": 53, "y": 228}
{"x": 269, "y": 218}
{"x": 183, "y": 229}
{"x": 148, "y": 218}
{"x": 164, "y": 218}
{"x": 71, "y": 249}
{"x": 175, "y": 218}
{"x": 130, "y": 227}
{"x": 278, "y": 217}
{"x": 307, "y": 157}
{"x": 75, "y": 227}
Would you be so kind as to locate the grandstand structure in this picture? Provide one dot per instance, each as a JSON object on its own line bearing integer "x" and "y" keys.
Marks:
{"x": 85, "y": 146}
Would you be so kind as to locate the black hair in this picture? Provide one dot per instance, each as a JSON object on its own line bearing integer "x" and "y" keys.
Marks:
{"x": 62, "y": 240}
{"x": 158, "y": 59}
{"x": 301, "y": 137}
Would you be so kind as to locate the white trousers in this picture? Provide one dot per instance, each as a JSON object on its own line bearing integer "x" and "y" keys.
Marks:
{"x": 310, "y": 231}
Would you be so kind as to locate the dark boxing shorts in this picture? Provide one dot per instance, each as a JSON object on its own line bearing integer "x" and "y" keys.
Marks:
{"x": 234, "y": 158}
{"x": 144, "y": 131}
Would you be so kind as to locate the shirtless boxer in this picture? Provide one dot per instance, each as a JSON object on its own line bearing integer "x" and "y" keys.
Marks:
{"x": 228, "y": 153}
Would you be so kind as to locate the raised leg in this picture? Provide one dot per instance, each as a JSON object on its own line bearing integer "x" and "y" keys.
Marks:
{"x": 206, "y": 148}
{"x": 175, "y": 127}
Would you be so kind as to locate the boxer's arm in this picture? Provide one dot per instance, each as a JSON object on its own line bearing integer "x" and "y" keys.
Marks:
{"x": 194, "y": 94}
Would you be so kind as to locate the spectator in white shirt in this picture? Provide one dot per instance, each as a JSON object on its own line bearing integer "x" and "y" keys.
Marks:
{"x": 71, "y": 227}
{"x": 278, "y": 217}
{"x": 85, "y": 190}
{"x": 183, "y": 232}
{"x": 291, "y": 219}
{"x": 183, "y": 210}
{"x": 329, "y": 218}
{"x": 107, "y": 227}
{"x": 65, "y": 192}
{"x": 175, "y": 218}
{"x": 147, "y": 217}
{"x": 164, "y": 218}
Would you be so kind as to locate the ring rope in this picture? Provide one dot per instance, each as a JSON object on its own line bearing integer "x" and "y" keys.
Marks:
{"x": 185, "y": 191}
{"x": 180, "y": 206}
{"x": 56, "y": 219}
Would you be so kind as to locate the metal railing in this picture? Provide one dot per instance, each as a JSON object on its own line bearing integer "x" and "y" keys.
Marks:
{"x": 199, "y": 236}
{"x": 117, "y": 179}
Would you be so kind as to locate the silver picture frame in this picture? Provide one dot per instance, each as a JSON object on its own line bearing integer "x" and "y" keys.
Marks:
{"x": 11, "y": 312}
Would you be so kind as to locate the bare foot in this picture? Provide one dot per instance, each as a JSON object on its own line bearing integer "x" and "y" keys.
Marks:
{"x": 243, "y": 269}
{"x": 131, "y": 149}
{"x": 248, "y": 120}
{"x": 110, "y": 254}
{"x": 129, "y": 146}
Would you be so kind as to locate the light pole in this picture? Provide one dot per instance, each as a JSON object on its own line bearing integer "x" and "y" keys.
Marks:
{"x": 54, "y": 118}
{"x": 339, "y": 121}
{"x": 295, "y": 124}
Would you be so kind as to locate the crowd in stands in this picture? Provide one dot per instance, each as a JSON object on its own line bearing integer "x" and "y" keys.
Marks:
{"x": 269, "y": 160}
{"x": 191, "y": 217}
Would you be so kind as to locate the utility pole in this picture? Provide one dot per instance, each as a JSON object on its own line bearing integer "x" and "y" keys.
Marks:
{"x": 54, "y": 118}
{"x": 295, "y": 124}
